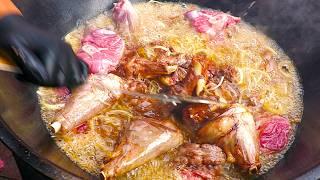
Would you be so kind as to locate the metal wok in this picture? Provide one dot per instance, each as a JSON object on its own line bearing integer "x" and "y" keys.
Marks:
{"x": 294, "y": 24}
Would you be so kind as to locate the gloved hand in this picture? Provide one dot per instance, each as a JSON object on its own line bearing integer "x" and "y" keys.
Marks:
{"x": 43, "y": 59}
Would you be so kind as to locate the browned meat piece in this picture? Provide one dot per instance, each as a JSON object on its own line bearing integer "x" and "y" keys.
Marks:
{"x": 198, "y": 70}
{"x": 228, "y": 72}
{"x": 147, "y": 69}
{"x": 196, "y": 115}
{"x": 181, "y": 72}
{"x": 197, "y": 161}
{"x": 222, "y": 84}
{"x": 126, "y": 58}
{"x": 191, "y": 154}
{"x": 187, "y": 86}
{"x": 176, "y": 77}
{"x": 144, "y": 140}
{"x": 235, "y": 132}
{"x": 88, "y": 100}
{"x": 228, "y": 91}
{"x": 137, "y": 86}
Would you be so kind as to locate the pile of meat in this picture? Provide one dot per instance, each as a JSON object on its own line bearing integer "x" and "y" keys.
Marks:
{"x": 222, "y": 132}
{"x": 199, "y": 161}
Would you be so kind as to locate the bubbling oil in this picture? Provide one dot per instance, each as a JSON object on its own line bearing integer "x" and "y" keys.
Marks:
{"x": 264, "y": 71}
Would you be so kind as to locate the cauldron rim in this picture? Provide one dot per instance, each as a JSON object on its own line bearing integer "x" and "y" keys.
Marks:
{"x": 23, "y": 151}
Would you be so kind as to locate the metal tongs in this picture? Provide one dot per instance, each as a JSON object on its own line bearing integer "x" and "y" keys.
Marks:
{"x": 174, "y": 99}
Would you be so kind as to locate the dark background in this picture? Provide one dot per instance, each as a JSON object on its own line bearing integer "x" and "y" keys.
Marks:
{"x": 294, "y": 24}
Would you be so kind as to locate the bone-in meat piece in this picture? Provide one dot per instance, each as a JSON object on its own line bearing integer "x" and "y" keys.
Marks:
{"x": 87, "y": 100}
{"x": 144, "y": 140}
{"x": 235, "y": 132}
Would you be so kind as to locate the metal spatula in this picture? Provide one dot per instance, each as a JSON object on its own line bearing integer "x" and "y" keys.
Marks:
{"x": 174, "y": 99}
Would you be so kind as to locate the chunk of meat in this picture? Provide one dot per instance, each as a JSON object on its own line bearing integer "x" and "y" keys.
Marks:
{"x": 183, "y": 63}
{"x": 210, "y": 22}
{"x": 273, "y": 133}
{"x": 222, "y": 84}
{"x": 187, "y": 86}
{"x": 144, "y": 140}
{"x": 125, "y": 16}
{"x": 222, "y": 89}
{"x": 195, "y": 116}
{"x": 197, "y": 161}
{"x": 88, "y": 99}
{"x": 176, "y": 77}
{"x": 147, "y": 69}
{"x": 137, "y": 85}
{"x": 101, "y": 49}
{"x": 228, "y": 72}
{"x": 197, "y": 70}
{"x": 191, "y": 154}
{"x": 235, "y": 132}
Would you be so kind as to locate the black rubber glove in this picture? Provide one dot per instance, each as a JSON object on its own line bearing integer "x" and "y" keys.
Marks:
{"x": 43, "y": 58}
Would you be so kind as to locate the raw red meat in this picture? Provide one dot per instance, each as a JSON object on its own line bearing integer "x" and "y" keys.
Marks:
{"x": 82, "y": 128}
{"x": 274, "y": 133}
{"x": 63, "y": 91}
{"x": 124, "y": 15}
{"x": 1, "y": 164}
{"x": 210, "y": 22}
{"x": 101, "y": 50}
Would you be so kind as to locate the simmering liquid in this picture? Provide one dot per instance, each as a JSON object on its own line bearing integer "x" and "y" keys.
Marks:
{"x": 264, "y": 72}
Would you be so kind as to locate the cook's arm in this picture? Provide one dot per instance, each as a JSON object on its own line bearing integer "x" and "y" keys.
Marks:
{"x": 7, "y": 7}
{"x": 43, "y": 58}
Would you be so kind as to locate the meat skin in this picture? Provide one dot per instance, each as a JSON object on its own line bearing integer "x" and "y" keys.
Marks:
{"x": 145, "y": 139}
{"x": 89, "y": 99}
{"x": 235, "y": 132}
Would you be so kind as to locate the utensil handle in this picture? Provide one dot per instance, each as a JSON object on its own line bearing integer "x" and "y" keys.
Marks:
{"x": 7, "y": 65}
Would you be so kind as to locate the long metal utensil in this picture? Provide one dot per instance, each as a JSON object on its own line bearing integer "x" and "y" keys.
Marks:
{"x": 174, "y": 99}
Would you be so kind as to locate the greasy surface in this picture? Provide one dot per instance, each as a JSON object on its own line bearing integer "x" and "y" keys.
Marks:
{"x": 256, "y": 59}
{"x": 293, "y": 28}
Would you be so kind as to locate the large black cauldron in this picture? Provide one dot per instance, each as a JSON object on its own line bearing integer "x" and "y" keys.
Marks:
{"x": 294, "y": 24}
